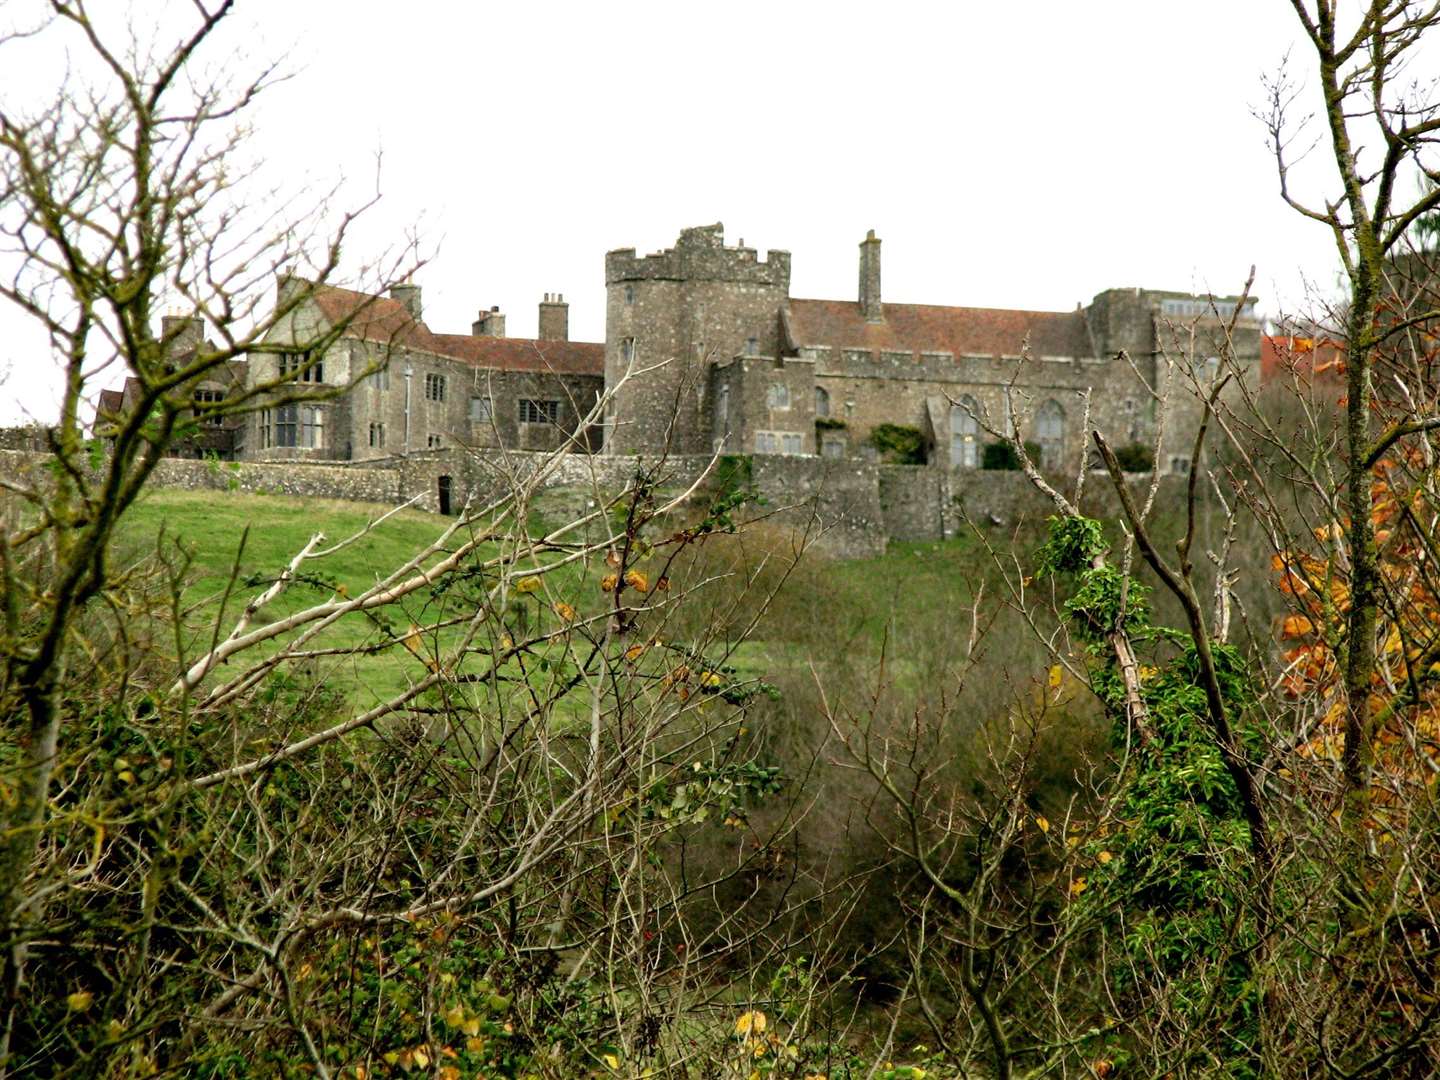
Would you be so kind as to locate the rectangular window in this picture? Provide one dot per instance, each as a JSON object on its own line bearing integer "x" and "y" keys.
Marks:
{"x": 377, "y": 436}
{"x": 481, "y": 410}
{"x": 539, "y": 412}
{"x": 832, "y": 447}
{"x": 766, "y": 443}
{"x": 790, "y": 443}
{"x": 433, "y": 442}
{"x": 778, "y": 396}
{"x": 293, "y": 367}
{"x": 203, "y": 398}
{"x": 434, "y": 387}
{"x": 266, "y": 432}
{"x": 312, "y": 422}
{"x": 287, "y": 420}
{"x": 380, "y": 380}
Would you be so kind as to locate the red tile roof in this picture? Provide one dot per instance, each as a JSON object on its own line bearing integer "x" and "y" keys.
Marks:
{"x": 930, "y": 328}
{"x": 381, "y": 319}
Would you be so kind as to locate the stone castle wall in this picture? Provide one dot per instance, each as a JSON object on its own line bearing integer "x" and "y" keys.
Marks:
{"x": 850, "y": 508}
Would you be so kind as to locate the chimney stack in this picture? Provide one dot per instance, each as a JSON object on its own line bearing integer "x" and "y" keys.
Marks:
{"x": 554, "y": 318}
{"x": 489, "y": 323}
{"x": 870, "y": 305}
{"x": 408, "y": 295}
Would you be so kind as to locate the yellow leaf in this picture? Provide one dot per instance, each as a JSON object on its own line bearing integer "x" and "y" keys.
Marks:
{"x": 80, "y": 1000}
{"x": 637, "y": 580}
{"x": 471, "y": 1026}
{"x": 528, "y": 584}
{"x": 564, "y": 610}
{"x": 1078, "y": 886}
{"x": 421, "y": 1058}
{"x": 126, "y": 776}
{"x": 608, "y": 583}
{"x": 1104, "y": 857}
{"x": 611, "y": 1061}
{"x": 634, "y": 652}
{"x": 1042, "y": 824}
{"x": 474, "y": 1044}
{"x": 750, "y": 1023}
{"x": 1056, "y": 674}
{"x": 454, "y": 1016}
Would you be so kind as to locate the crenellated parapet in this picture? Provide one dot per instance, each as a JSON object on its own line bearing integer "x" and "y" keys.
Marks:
{"x": 701, "y": 255}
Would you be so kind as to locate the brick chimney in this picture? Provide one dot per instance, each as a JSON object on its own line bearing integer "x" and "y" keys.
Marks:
{"x": 554, "y": 318}
{"x": 489, "y": 323}
{"x": 408, "y": 295}
{"x": 870, "y": 305}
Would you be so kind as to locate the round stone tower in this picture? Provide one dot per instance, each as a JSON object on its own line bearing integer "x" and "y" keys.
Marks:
{"x": 678, "y": 313}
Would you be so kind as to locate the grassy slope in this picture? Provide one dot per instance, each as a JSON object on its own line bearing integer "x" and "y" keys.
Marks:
{"x": 209, "y": 526}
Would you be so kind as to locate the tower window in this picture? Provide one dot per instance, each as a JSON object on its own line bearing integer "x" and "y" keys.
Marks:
{"x": 629, "y": 294}
{"x": 778, "y": 396}
{"x": 822, "y": 401}
{"x": 752, "y": 346}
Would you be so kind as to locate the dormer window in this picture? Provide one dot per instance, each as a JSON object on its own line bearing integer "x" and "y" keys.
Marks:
{"x": 752, "y": 346}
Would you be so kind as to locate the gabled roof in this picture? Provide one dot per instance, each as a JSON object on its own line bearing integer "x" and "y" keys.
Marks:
{"x": 388, "y": 322}
{"x": 931, "y": 328}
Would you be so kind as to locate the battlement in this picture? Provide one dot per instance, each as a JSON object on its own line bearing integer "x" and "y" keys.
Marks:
{"x": 700, "y": 254}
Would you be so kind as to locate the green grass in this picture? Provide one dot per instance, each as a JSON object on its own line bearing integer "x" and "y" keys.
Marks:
{"x": 253, "y": 537}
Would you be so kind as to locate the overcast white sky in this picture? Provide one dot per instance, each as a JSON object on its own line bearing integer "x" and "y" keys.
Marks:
{"x": 1021, "y": 154}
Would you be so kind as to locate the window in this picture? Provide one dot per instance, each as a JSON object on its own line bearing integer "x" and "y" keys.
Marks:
{"x": 1127, "y": 406}
{"x": 432, "y": 442}
{"x": 1207, "y": 369}
{"x": 481, "y": 410}
{"x": 627, "y": 350}
{"x": 299, "y": 426}
{"x": 1050, "y": 432}
{"x": 822, "y": 401}
{"x": 434, "y": 387}
{"x": 964, "y": 434}
{"x": 377, "y": 436}
{"x": 266, "y": 431}
{"x": 790, "y": 442}
{"x": 779, "y": 442}
{"x": 778, "y": 396}
{"x": 752, "y": 346}
{"x": 287, "y": 423}
{"x": 208, "y": 397}
{"x": 629, "y": 294}
{"x": 766, "y": 443}
{"x": 1180, "y": 465}
{"x": 293, "y": 366}
{"x": 722, "y": 407}
{"x": 832, "y": 446}
{"x": 380, "y": 380}
{"x": 539, "y": 412}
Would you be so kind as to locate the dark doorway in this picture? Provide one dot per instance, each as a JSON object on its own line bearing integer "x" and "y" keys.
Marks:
{"x": 445, "y": 495}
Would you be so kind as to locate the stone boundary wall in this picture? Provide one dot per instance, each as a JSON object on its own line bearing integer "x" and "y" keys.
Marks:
{"x": 852, "y": 508}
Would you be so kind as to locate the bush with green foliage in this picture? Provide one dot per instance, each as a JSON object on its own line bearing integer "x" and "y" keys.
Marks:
{"x": 899, "y": 444}
{"x": 1135, "y": 457}
{"x": 1001, "y": 456}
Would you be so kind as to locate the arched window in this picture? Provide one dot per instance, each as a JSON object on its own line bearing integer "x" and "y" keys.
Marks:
{"x": 1050, "y": 433}
{"x": 822, "y": 401}
{"x": 964, "y": 434}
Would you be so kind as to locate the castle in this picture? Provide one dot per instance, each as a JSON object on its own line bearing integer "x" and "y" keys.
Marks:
{"x": 706, "y": 350}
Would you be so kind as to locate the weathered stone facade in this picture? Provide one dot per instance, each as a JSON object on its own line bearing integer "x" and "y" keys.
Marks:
{"x": 412, "y": 390}
{"x": 746, "y": 368}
